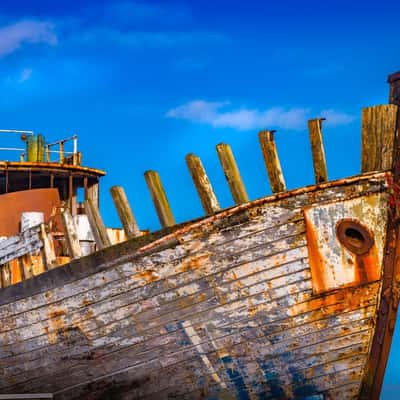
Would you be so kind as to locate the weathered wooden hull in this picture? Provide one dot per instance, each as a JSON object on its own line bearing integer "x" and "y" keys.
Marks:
{"x": 258, "y": 301}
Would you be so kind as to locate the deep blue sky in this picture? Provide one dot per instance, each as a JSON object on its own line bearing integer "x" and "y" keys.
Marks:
{"x": 144, "y": 83}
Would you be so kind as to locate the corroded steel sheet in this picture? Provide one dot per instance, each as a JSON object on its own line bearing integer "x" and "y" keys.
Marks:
{"x": 12, "y": 205}
{"x": 333, "y": 265}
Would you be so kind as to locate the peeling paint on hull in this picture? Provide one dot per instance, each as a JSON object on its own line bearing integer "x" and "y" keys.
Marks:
{"x": 258, "y": 302}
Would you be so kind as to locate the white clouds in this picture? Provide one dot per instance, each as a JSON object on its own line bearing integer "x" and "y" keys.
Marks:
{"x": 13, "y": 36}
{"x": 26, "y": 73}
{"x": 334, "y": 117}
{"x": 218, "y": 115}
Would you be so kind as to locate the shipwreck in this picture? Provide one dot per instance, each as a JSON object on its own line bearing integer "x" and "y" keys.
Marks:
{"x": 289, "y": 296}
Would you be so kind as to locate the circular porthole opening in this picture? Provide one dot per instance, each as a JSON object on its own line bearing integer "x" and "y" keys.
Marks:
{"x": 354, "y": 236}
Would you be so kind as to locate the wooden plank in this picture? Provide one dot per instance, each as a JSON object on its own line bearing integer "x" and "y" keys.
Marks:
{"x": 159, "y": 198}
{"x": 271, "y": 160}
{"x": 190, "y": 242}
{"x": 318, "y": 151}
{"x": 373, "y": 183}
{"x": 6, "y": 275}
{"x": 49, "y": 256}
{"x": 378, "y": 135}
{"x": 324, "y": 313}
{"x": 27, "y": 265}
{"x": 238, "y": 296}
{"x": 125, "y": 211}
{"x": 232, "y": 173}
{"x": 17, "y": 246}
{"x": 71, "y": 235}
{"x": 178, "y": 352}
{"x": 93, "y": 193}
{"x": 203, "y": 185}
{"x": 97, "y": 225}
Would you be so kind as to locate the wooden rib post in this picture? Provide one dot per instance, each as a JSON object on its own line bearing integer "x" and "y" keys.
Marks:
{"x": 317, "y": 148}
{"x": 6, "y": 275}
{"x": 271, "y": 160}
{"x": 71, "y": 235}
{"x": 232, "y": 173}
{"x": 203, "y": 185}
{"x": 48, "y": 250}
{"x": 159, "y": 198}
{"x": 124, "y": 211}
{"x": 378, "y": 136}
{"x": 97, "y": 225}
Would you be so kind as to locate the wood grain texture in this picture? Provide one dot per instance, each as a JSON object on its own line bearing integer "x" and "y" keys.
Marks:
{"x": 226, "y": 309}
{"x": 159, "y": 198}
{"x": 71, "y": 235}
{"x": 17, "y": 246}
{"x": 97, "y": 225}
{"x": 271, "y": 160}
{"x": 203, "y": 185}
{"x": 317, "y": 149}
{"x": 232, "y": 173}
{"x": 378, "y": 135}
{"x": 125, "y": 212}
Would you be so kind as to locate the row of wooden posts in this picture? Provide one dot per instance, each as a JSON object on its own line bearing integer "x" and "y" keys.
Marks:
{"x": 378, "y": 132}
{"x": 203, "y": 186}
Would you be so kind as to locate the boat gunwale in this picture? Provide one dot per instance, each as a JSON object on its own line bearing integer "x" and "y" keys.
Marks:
{"x": 154, "y": 242}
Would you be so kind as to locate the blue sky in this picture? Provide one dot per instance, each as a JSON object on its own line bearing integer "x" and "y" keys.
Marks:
{"x": 145, "y": 83}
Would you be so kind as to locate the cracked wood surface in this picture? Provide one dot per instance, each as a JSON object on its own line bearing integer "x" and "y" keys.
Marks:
{"x": 227, "y": 309}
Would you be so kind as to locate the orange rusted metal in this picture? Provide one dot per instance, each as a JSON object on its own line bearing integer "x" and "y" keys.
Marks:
{"x": 12, "y": 205}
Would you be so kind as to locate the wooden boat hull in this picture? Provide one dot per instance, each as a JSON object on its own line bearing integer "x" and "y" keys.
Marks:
{"x": 263, "y": 300}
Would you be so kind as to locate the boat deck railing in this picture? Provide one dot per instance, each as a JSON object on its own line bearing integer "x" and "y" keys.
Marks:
{"x": 36, "y": 150}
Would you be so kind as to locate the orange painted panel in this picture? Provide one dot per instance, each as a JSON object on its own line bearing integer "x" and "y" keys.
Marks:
{"x": 12, "y": 205}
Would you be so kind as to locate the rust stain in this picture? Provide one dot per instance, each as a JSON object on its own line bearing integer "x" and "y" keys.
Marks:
{"x": 193, "y": 263}
{"x": 55, "y": 314}
{"x": 315, "y": 258}
{"x": 56, "y": 325}
{"x": 149, "y": 275}
{"x": 342, "y": 300}
{"x": 86, "y": 302}
{"x": 367, "y": 267}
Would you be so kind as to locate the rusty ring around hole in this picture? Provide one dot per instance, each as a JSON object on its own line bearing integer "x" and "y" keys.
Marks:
{"x": 354, "y": 236}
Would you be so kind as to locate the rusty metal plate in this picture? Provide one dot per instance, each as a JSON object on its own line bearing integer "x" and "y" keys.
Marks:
{"x": 12, "y": 205}
{"x": 345, "y": 241}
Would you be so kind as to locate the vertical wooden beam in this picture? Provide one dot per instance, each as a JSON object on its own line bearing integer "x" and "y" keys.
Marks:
{"x": 394, "y": 88}
{"x": 27, "y": 265}
{"x": 61, "y": 152}
{"x": 271, "y": 160}
{"x": 159, "y": 198}
{"x": 125, "y": 211}
{"x": 203, "y": 185}
{"x": 51, "y": 180}
{"x": 71, "y": 235}
{"x": 318, "y": 151}
{"x": 85, "y": 187}
{"x": 6, "y": 275}
{"x": 48, "y": 250}
{"x": 96, "y": 223}
{"x": 93, "y": 193}
{"x": 378, "y": 136}
{"x": 72, "y": 195}
{"x": 232, "y": 173}
{"x": 48, "y": 153}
